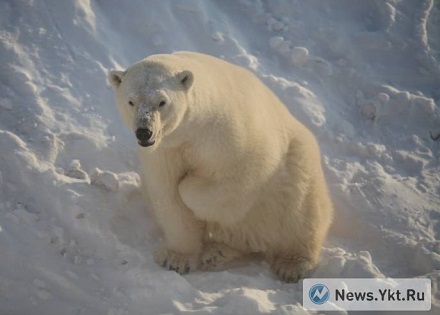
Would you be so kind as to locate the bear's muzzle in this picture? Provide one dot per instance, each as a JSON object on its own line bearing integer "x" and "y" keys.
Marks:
{"x": 144, "y": 136}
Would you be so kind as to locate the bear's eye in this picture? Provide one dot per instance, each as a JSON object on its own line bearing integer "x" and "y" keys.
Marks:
{"x": 162, "y": 103}
{"x": 130, "y": 103}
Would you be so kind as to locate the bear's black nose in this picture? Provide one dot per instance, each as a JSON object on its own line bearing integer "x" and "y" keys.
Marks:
{"x": 143, "y": 134}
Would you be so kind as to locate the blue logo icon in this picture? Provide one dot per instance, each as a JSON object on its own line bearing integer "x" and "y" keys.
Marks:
{"x": 319, "y": 294}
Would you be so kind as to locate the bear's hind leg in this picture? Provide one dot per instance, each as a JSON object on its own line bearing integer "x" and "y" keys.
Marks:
{"x": 291, "y": 267}
{"x": 217, "y": 256}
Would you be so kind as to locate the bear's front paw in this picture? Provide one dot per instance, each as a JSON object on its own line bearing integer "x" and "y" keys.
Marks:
{"x": 292, "y": 268}
{"x": 180, "y": 263}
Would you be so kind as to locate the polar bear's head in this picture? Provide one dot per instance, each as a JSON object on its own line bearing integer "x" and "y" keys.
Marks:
{"x": 152, "y": 99}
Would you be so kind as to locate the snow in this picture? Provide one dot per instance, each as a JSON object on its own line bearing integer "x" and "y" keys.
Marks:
{"x": 74, "y": 234}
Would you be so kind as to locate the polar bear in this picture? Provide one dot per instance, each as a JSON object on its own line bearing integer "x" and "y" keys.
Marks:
{"x": 226, "y": 169}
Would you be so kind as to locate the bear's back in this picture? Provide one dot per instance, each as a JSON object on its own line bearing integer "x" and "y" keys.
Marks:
{"x": 183, "y": 60}
{"x": 211, "y": 70}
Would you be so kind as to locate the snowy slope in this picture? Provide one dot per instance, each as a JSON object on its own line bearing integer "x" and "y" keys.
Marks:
{"x": 74, "y": 235}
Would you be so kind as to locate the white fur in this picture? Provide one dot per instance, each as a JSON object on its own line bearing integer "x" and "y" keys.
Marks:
{"x": 230, "y": 167}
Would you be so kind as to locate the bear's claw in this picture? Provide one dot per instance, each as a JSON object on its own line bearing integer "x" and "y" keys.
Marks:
{"x": 216, "y": 255}
{"x": 177, "y": 262}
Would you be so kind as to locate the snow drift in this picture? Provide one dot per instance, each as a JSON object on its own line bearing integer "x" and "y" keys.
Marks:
{"x": 74, "y": 235}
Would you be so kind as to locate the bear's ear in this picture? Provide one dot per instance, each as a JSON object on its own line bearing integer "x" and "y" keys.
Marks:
{"x": 115, "y": 77}
{"x": 186, "y": 78}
